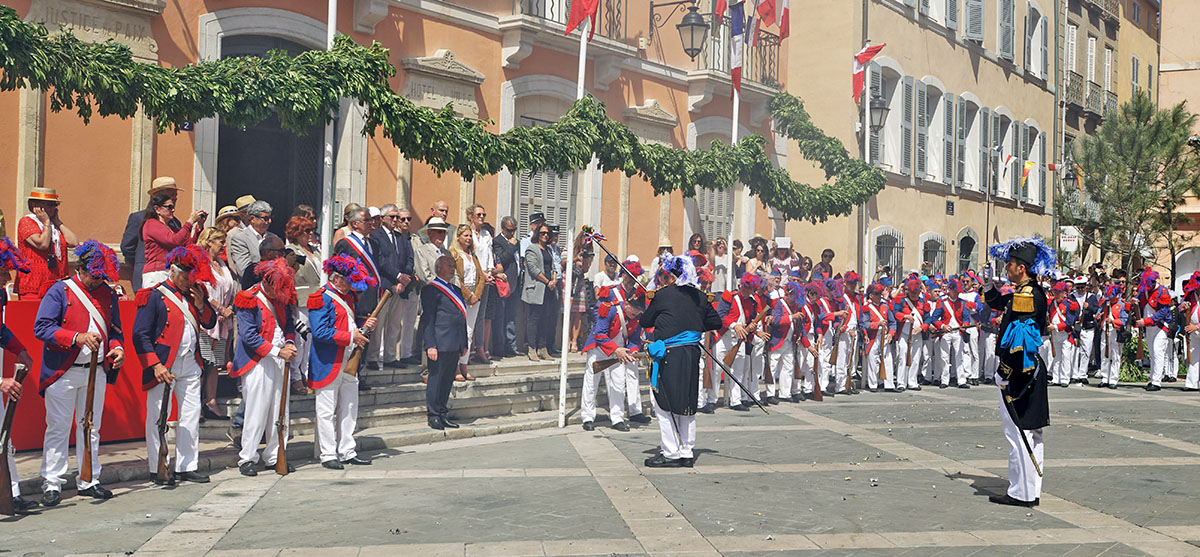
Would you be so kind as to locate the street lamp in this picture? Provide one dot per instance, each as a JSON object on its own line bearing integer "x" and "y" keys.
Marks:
{"x": 693, "y": 30}
{"x": 879, "y": 112}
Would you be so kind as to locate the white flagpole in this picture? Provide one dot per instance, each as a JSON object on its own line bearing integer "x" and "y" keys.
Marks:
{"x": 327, "y": 161}
{"x": 570, "y": 259}
{"x": 733, "y": 138}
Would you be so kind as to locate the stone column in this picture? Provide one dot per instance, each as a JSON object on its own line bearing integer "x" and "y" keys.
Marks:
{"x": 141, "y": 163}
{"x": 31, "y": 141}
{"x": 404, "y": 181}
{"x": 623, "y": 218}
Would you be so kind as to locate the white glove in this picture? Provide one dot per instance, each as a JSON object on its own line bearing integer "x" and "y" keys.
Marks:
{"x": 987, "y": 277}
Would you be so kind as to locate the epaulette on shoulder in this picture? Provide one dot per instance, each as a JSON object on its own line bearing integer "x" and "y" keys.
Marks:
{"x": 316, "y": 300}
{"x": 142, "y": 297}
{"x": 245, "y": 300}
{"x": 727, "y": 296}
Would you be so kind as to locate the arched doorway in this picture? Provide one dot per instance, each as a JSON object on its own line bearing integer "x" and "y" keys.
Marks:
{"x": 1186, "y": 263}
{"x": 265, "y": 160}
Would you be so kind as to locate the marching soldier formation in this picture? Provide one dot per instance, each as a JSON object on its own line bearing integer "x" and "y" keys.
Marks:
{"x": 786, "y": 333}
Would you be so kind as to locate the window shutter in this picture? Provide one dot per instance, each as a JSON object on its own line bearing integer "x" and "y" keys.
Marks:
{"x": 1108, "y": 53}
{"x": 924, "y": 10}
{"x": 1044, "y": 70}
{"x": 960, "y": 142}
{"x": 974, "y": 21}
{"x": 1149, "y": 78}
{"x": 910, "y": 3}
{"x": 1042, "y": 168}
{"x": 875, "y": 76}
{"x": 952, "y": 14}
{"x": 997, "y": 137}
{"x": 948, "y": 138}
{"x": 1072, "y": 32}
{"x": 906, "y": 127}
{"x": 1022, "y": 156}
{"x": 1028, "y": 38}
{"x": 1134, "y": 76}
{"x": 1007, "y": 23}
{"x": 922, "y": 137}
{"x": 984, "y": 117}
{"x": 1091, "y": 59}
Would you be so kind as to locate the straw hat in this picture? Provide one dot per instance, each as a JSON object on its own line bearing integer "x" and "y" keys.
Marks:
{"x": 664, "y": 242}
{"x": 226, "y": 212}
{"x": 243, "y": 201}
{"x": 163, "y": 183}
{"x": 43, "y": 194}
{"x": 437, "y": 223}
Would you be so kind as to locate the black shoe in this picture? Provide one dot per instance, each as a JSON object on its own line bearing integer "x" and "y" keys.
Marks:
{"x": 290, "y": 468}
{"x": 988, "y": 381}
{"x": 797, "y": 397}
{"x": 248, "y": 469}
{"x": 772, "y": 399}
{"x": 193, "y": 476}
{"x": 1153, "y": 387}
{"x": 917, "y": 388}
{"x": 1006, "y": 500}
{"x": 743, "y": 407}
{"x": 973, "y": 382}
{"x": 964, "y": 386}
{"x": 640, "y": 418}
{"x": 363, "y": 387}
{"x": 874, "y": 389}
{"x": 687, "y": 462}
{"x": 854, "y": 391}
{"x": 1112, "y": 386}
{"x": 706, "y": 409}
{"x": 621, "y": 426}
{"x": 235, "y": 437}
{"x": 51, "y": 498}
{"x": 446, "y": 423}
{"x": 1084, "y": 381}
{"x": 170, "y": 481}
{"x": 1169, "y": 378}
{"x": 357, "y": 461}
{"x": 943, "y": 386}
{"x": 208, "y": 413}
{"x": 436, "y": 423}
{"x": 96, "y": 492}
{"x": 660, "y": 461}
{"x": 893, "y": 390}
{"x": 1189, "y": 389}
{"x": 333, "y": 465}
{"x": 395, "y": 364}
{"x": 23, "y": 506}
{"x": 374, "y": 366}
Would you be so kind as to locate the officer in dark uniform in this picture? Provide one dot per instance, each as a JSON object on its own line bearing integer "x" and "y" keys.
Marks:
{"x": 679, "y": 313}
{"x": 1021, "y": 373}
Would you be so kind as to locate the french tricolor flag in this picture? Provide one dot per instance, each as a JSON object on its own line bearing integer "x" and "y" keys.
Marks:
{"x": 737, "y": 29}
{"x": 785, "y": 28}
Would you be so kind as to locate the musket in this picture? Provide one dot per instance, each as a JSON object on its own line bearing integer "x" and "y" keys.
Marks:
{"x": 601, "y": 365}
{"x": 164, "y": 477}
{"x": 731, "y": 377}
{"x": 850, "y": 367}
{"x": 707, "y": 379}
{"x": 351, "y": 366}
{"x": 732, "y": 353}
{"x": 281, "y": 465}
{"x": 818, "y": 395}
{"x": 85, "y": 466}
{"x": 10, "y": 412}
{"x": 908, "y": 352}
{"x": 1012, "y": 415}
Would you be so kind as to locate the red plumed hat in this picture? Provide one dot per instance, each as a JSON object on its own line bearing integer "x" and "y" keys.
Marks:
{"x": 349, "y": 267}
{"x": 194, "y": 260}
{"x": 277, "y": 275}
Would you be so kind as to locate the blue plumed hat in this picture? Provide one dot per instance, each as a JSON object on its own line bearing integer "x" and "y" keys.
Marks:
{"x": 1031, "y": 251}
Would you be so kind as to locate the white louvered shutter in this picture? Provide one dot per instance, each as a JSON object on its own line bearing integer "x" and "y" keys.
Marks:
{"x": 960, "y": 143}
{"x": 924, "y": 8}
{"x": 1042, "y": 168}
{"x": 974, "y": 20}
{"x": 922, "y": 128}
{"x": 1044, "y": 26}
{"x": 952, "y": 14}
{"x": 1029, "y": 37}
{"x": 1007, "y": 24}
{"x": 984, "y": 120}
{"x": 1091, "y": 59}
{"x": 948, "y": 138}
{"x": 997, "y": 138}
{"x": 1070, "y": 52}
{"x": 1108, "y": 57}
{"x": 875, "y": 79}
{"x": 1134, "y": 75}
{"x": 906, "y": 127}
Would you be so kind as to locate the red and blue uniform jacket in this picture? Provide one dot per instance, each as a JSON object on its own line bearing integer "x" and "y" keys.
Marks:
{"x": 8, "y": 340}
{"x": 948, "y": 310}
{"x": 1159, "y": 301}
{"x": 61, "y": 316}
{"x": 254, "y": 333}
{"x": 807, "y": 328}
{"x": 1116, "y": 311}
{"x": 728, "y": 310}
{"x": 901, "y": 313}
{"x": 1062, "y": 315}
{"x": 782, "y": 325}
{"x": 852, "y": 303}
{"x": 874, "y": 320}
{"x": 607, "y": 329}
{"x": 828, "y": 307}
{"x": 331, "y": 333}
{"x": 158, "y": 328}
{"x": 985, "y": 314}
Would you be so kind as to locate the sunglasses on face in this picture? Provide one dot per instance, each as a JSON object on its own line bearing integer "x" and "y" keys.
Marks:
{"x": 391, "y": 216}
{"x": 405, "y": 219}
{"x": 480, "y": 215}
{"x": 169, "y": 207}
{"x": 262, "y": 217}
{"x": 310, "y": 231}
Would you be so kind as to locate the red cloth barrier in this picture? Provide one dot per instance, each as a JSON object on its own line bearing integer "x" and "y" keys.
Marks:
{"x": 124, "y": 415}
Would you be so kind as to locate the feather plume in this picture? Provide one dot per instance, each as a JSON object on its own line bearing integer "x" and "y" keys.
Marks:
{"x": 279, "y": 277}
{"x": 98, "y": 260}
{"x": 195, "y": 261}
{"x": 1042, "y": 264}
{"x": 11, "y": 258}
{"x": 349, "y": 267}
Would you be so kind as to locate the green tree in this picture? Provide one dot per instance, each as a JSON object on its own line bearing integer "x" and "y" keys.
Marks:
{"x": 1137, "y": 168}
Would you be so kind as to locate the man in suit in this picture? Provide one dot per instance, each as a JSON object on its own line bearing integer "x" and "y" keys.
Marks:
{"x": 132, "y": 247}
{"x": 444, "y": 328}
{"x": 394, "y": 276}
{"x": 361, "y": 246}
{"x": 242, "y": 249}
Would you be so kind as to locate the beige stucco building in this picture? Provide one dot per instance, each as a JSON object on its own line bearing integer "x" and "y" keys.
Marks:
{"x": 1179, "y": 81}
{"x": 968, "y": 83}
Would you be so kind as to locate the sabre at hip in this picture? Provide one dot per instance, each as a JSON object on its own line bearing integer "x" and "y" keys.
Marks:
{"x": 729, "y": 375}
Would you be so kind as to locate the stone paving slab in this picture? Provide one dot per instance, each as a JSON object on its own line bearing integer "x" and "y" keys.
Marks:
{"x": 549, "y": 452}
{"x": 1067, "y": 440}
{"x": 1158, "y": 496}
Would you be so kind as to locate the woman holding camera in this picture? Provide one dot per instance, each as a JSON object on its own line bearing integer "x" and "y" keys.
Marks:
{"x": 160, "y": 235}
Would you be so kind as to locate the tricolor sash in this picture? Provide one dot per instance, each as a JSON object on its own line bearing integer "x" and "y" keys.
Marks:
{"x": 362, "y": 254}
{"x": 445, "y": 288}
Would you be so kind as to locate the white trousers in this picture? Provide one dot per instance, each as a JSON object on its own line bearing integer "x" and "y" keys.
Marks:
{"x": 633, "y": 390}
{"x": 873, "y": 361}
{"x": 261, "y": 390}
{"x": 614, "y": 378}
{"x": 1083, "y": 353}
{"x": 952, "y": 358}
{"x": 1157, "y": 344}
{"x": 783, "y": 371}
{"x": 970, "y": 354}
{"x": 805, "y": 361}
{"x": 845, "y": 361}
{"x": 186, "y": 390}
{"x": 755, "y": 367}
{"x": 337, "y": 417}
{"x": 987, "y": 354}
{"x": 723, "y": 346}
{"x": 714, "y": 371}
{"x": 303, "y": 346}
{"x": 472, "y": 314}
{"x": 14, "y": 477}
{"x": 66, "y": 402}
{"x": 1062, "y": 356}
{"x": 824, "y": 353}
{"x": 1023, "y": 481}
{"x": 678, "y": 432}
{"x": 1110, "y": 359}
{"x": 906, "y": 375}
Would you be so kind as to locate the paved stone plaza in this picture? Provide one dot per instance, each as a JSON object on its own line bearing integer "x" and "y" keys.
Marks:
{"x": 869, "y": 474}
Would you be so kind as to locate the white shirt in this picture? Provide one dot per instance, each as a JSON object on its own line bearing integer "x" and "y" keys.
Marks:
{"x": 85, "y": 353}
{"x": 602, "y": 279}
{"x": 470, "y": 273}
{"x": 483, "y": 249}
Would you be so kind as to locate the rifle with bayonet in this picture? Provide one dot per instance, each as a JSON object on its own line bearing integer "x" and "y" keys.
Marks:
{"x": 10, "y": 412}
{"x": 163, "y": 476}
{"x": 750, "y": 330}
{"x": 85, "y": 466}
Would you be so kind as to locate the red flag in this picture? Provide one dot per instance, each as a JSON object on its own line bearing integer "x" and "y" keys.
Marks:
{"x": 860, "y": 67}
{"x": 581, "y": 10}
{"x": 785, "y": 27}
{"x": 719, "y": 11}
{"x": 766, "y": 12}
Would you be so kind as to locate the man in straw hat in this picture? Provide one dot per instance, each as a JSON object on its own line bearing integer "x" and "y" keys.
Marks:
{"x": 43, "y": 240}
{"x": 133, "y": 250}
{"x": 1021, "y": 373}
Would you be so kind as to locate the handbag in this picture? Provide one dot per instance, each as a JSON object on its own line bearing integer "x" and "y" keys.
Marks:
{"x": 503, "y": 289}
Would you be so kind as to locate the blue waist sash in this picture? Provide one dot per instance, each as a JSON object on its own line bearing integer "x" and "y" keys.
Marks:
{"x": 1024, "y": 337}
{"x": 658, "y": 350}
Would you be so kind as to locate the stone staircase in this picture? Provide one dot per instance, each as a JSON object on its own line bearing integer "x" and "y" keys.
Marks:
{"x": 397, "y": 396}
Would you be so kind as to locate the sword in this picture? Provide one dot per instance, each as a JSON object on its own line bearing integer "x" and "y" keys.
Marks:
{"x": 729, "y": 374}
{"x": 1012, "y": 415}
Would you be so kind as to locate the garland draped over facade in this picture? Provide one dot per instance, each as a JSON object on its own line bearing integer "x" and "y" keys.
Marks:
{"x": 305, "y": 90}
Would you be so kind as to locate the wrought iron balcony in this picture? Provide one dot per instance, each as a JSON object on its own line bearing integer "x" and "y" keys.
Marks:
{"x": 612, "y": 19}
{"x": 1095, "y": 99}
{"x": 1078, "y": 204}
{"x": 1109, "y": 9}
{"x": 1073, "y": 86}
{"x": 1110, "y": 103}
{"x": 760, "y": 63}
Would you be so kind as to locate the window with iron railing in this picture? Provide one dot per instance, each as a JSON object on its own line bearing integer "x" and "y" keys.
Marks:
{"x": 760, "y": 63}
{"x": 612, "y": 17}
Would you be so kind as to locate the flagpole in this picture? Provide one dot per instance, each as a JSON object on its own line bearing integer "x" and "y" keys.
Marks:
{"x": 570, "y": 259}
{"x": 733, "y": 138}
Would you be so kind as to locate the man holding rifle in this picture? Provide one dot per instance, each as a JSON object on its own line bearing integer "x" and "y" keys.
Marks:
{"x": 906, "y": 322}
{"x": 77, "y": 318}
{"x": 875, "y": 331}
{"x": 630, "y": 289}
{"x": 951, "y": 318}
{"x": 336, "y": 335}
{"x": 359, "y": 245}
{"x": 737, "y": 310}
{"x": 166, "y": 337}
{"x": 1021, "y": 374}
{"x": 266, "y": 332}
{"x": 850, "y": 302}
{"x": 1113, "y": 316}
{"x": 616, "y": 333}
{"x": 10, "y": 388}
{"x": 679, "y": 313}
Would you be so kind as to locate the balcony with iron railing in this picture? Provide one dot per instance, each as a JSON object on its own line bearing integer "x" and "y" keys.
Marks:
{"x": 1095, "y": 99}
{"x": 1109, "y": 9}
{"x": 760, "y": 63}
{"x": 1078, "y": 205}
{"x": 1073, "y": 88}
{"x": 612, "y": 17}
{"x": 1110, "y": 103}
